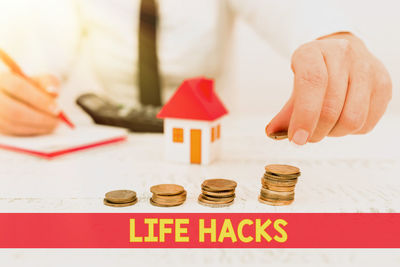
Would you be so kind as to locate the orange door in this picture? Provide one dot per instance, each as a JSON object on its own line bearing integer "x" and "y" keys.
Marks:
{"x": 195, "y": 146}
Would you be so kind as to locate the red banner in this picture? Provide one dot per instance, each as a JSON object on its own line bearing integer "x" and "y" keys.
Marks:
{"x": 199, "y": 230}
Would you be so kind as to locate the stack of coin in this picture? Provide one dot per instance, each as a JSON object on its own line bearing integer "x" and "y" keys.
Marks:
{"x": 167, "y": 195}
{"x": 120, "y": 198}
{"x": 217, "y": 193}
{"x": 278, "y": 184}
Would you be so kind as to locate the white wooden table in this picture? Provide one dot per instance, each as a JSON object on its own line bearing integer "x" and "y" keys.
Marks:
{"x": 351, "y": 174}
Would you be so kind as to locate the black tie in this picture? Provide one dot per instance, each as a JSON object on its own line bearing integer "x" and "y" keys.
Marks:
{"x": 149, "y": 79}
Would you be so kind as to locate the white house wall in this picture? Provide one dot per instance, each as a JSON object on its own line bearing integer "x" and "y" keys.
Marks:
{"x": 180, "y": 152}
{"x": 215, "y": 146}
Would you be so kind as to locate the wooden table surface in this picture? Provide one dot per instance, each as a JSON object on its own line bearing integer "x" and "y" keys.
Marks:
{"x": 351, "y": 174}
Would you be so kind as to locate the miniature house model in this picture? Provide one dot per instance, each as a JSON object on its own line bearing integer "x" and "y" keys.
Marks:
{"x": 192, "y": 122}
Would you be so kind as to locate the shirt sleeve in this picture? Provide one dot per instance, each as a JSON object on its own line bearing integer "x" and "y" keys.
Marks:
{"x": 42, "y": 36}
{"x": 286, "y": 24}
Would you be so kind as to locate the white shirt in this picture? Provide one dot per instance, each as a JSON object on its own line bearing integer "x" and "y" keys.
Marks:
{"x": 50, "y": 35}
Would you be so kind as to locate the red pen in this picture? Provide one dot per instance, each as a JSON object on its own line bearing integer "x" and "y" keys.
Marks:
{"x": 13, "y": 66}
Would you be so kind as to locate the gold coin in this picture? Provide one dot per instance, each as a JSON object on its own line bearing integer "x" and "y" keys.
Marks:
{"x": 179, "y": 196}
{"x": 167, "y": 203}
{"x": 269, "y": 191}
{"x": 167, "y": 189}
{"x": 281, "y": 169}
{"x": 279, "y": 135}
{"x": 212, "y": 204}
{"x": 167, "y": 200}
{"x": 267, "y": 182}
{"x": 274, "y": 202}
{"x": 203, "y": 199}
{"x": 164, "y": 205}
{"x": 270, "y": 198}
{"x": 229, "y": 193}
{"x": 268, "y": 194}
{"x": 280, "y": 180}
{"x": 218, "y": 199}
{"x": 118, "y": 205}
{"x": 214, "y": 185}
{"x": 121, "y": 196}
{"x": 280, "y": 177}
{"x": 278, "y": 188}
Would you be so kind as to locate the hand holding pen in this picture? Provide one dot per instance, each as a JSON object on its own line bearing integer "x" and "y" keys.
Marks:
{"x": 28, "y": 105}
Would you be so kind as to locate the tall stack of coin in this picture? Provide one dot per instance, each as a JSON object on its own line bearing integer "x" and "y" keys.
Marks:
{"x": 278, "y": 184}
{"x": 167, "y": 195}
{"x": 120, "y": 198}
{"x": 217, "y": 193}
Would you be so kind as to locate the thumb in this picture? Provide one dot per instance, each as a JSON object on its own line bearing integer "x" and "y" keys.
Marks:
{"x": 281, "y": 120}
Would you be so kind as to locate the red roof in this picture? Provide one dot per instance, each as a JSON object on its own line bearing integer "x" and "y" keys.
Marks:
{"x": 195, "y": 99}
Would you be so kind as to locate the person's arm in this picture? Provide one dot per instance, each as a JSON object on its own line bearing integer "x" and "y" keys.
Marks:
{"x": 340, "y": 87}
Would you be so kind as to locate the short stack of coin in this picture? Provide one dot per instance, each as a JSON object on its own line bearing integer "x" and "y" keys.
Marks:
{"x": 167, "y": 195}
{"x": 120, "y": 198}
{"x": 217, "y": 193}
{"x": 278, "y": 184}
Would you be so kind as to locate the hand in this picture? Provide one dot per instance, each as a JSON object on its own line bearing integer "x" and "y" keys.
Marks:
{"x": 340, "y": 88}
{"x": 26, "y": 110}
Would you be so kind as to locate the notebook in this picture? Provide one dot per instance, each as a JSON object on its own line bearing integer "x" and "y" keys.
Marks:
{"x": 64, "y": 140}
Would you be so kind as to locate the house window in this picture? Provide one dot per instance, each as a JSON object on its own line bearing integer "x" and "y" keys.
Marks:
{"x": 218, "y": 131}
{"x": 212, "y": 134}
{"x": 177, "y": 135}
